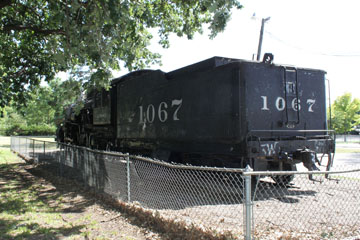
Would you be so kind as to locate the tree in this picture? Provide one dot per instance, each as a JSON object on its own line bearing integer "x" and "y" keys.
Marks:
{"x": 11, "y": 117}
{"x": 45, "y": 105}
{"x": 39, "y": 38}
{"x": 44, "y": 108}
{"x": 345, "y": 113}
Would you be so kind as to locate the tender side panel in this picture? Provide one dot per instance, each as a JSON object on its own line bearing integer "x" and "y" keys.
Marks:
{"x": 198, "y": 107}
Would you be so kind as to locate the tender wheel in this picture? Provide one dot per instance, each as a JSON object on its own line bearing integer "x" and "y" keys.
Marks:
{"x": 284, "y": 180}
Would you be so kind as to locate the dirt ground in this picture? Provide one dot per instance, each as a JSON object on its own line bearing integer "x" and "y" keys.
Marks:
{"x": 78, "y": 214}
{"x": 87, "y": 216}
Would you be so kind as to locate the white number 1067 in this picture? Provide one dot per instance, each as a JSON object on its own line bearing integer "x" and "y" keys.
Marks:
{"x": 280, "y": 104}
{"x": 150, "y": 113}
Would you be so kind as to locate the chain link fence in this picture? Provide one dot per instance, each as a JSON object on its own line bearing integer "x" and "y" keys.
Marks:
{"x": 328, "y": 207}
{"x": 348, "y": 138}
{"x": 235, "y": 203}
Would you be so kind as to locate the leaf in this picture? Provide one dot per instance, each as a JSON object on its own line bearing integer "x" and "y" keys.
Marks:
{"x": 345, "y": 113}
{"x": 40, "y": 38}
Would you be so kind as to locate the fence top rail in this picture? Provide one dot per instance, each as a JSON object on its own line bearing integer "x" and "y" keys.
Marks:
{"x": 257, "y": 173}
{"x": 188, "y": 167}
{"x": 159, "y": 162}
{"x": 18, "y": 136}
{"x": 201, "y": 168}
{"x": 33, "y": 138}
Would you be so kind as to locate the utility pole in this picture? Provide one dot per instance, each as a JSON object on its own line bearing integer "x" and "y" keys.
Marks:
{"x": 263, "y": 21}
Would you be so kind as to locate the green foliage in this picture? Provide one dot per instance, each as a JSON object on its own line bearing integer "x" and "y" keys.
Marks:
{"x": 45, "y": 107}
{"x": 345, "y": 113}
{"x": 10, "y": 118}
{"x": 39, "y": 38}
{"x": 30, "y": 130}
{"x": 46, "y": 103}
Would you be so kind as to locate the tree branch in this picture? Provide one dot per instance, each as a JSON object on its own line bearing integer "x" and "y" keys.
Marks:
{"x": 84, "y": 3}
{"x": 5, "y": 3}
{"x": 8, "y": 28}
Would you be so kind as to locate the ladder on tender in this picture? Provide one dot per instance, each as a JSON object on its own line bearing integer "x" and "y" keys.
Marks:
{"x": 292, "y": 101}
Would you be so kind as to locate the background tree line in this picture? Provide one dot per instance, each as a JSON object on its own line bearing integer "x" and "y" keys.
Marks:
{"x": 345, "y": 114}
{"x": 44, "y": 109}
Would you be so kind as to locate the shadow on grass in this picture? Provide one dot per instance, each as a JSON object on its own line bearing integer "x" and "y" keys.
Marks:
{"x": 15, "y": 229}
{"x": 63, "y": 188}
{"x": 22, "y": 194}
{"x": 72, "y": 188}
{"x": 9, "y": 166}
{"x": 45, "y": 195}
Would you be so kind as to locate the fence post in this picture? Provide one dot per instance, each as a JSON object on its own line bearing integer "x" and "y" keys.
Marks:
{"x": 128, "y": 176}
{"x": 248, "y": 204}
{"x": 33, "y": 155}
{"x": 62, "y": 162}
{"x": 19, "y": 147}
{"x": 26, "y": 147}
{"x": 44, "y": 151}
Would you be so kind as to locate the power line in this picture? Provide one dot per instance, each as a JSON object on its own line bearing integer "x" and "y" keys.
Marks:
{"x": 310, "y": 51}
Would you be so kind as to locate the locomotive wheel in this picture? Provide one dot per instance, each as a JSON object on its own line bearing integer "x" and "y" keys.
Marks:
{"x": 284, "y": 180}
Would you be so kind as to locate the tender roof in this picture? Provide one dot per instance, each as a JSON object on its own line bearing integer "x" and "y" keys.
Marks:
{"x": 196, "y": 67}
{"x": 202, "y": 66}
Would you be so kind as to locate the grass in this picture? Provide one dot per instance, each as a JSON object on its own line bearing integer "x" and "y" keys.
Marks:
{"x": 31, "y": 208}
{"x": 4, "y": 142}
{"x": 23, "y": 213}
{"x": 46, "y": 139}
{"x": 347, "y": 150}
{"x": 352, "y": 142}
{"x": 347, "y": 147}
{"x": 6, "y": 156}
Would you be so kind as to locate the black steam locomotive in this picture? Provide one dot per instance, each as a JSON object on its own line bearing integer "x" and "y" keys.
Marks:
{"x": 219, "y": 112}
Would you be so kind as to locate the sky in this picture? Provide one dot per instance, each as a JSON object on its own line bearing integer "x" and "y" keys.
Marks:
{"x": 320, "y": 34}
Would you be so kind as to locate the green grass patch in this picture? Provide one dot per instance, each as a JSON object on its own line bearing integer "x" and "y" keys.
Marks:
{"x": 4, "y": 142}
{"x": 23, "y": 213}
{"x": 7, "y": 157}
{"x": 351, "y": 142}
{"x": 46, "y": 139}
{"x": 347, "y": 150}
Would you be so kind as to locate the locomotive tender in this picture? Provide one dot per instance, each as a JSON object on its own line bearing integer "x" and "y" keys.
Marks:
{"x": 219, "y": 112}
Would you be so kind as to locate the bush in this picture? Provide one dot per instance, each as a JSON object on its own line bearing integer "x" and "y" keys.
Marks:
{"x": 14, "y": 129}
{"x": 2, "y": 131}
{"x": 32, "y": 130}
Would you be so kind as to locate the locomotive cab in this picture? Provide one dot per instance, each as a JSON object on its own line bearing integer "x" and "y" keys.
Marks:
{"x": 102, "y": 108}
